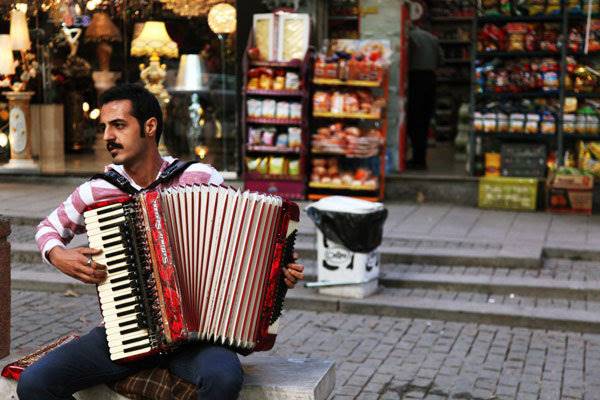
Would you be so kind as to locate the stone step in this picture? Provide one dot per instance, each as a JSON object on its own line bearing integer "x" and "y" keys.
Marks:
{"x": 556, "y": 279}
{"x": 401, "y": 303}
{"x": 507, "y": 301}
{"x": 407, "y": 253}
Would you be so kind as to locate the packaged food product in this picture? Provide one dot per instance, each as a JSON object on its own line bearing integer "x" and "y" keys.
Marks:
{"x": 592, "y": 124}
{"x": 321, "y": 102}
{"x": 492, "y": 164}
{"x": 532, "y": 124}
{"x": 293, "y": 167}
{"x": 569, "y": 121}
{"x": 548, "y": 124}
{"x": 265, "y": 81}
{"x": 292, "y": 81}
{"x": 282, "y": 140}
{"x": 337, "y": 103}
{"x": 283, "y": 110}
{"x": 478, "y": 121}
{"x": 254, "y": 136}
{"x": 517, "y": 123}
{"x": 279, "y": 83}
{"x": 268, "y": 108}
{"x": 489, "y": 122}
{"x": 263, "y": 165}
{"x": 254, "y": 108}
{"x": 502, "y": 122}
{"x": 252, "y": 164}
{"x": 516, "y": 36}
{"x": 268, "y": 136}
{"x": 351, "y": 104}
{"x": 294, "y": 136}
{"x": 295, "y": 110}
{"x": 277, "y": 165}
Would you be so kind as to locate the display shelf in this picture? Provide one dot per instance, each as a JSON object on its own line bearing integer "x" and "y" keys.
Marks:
{"x": 461, "y": 18}
{"x": 276, "y": 64}
{"x": 519, "y": 95}
{"x": 339, "y": 82}
{"x": 516, "y": 136}
{"x": 516, "y": 54}
{"x": 490, "y": 19}
{"x": 577, "y": 136}
{"x": 273, "y": 149}
{"x": 582, "y": 95}
{"x": 273, "y": 121}
{"x": 346, "y": 116}
{"x": 272, "y": 177}
{"x": 275, "y": 93}
{"x": 320, "y": 185}
{"x": 287, "y": 186}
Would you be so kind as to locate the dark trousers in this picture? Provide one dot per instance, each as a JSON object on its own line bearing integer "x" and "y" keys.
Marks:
{"x": 85, "y": 362}
{"x": 421, "y": 101}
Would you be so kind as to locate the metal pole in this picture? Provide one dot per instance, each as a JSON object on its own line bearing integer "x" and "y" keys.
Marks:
{"x": 223, "y": 100}
{"x": 563, "y": 72}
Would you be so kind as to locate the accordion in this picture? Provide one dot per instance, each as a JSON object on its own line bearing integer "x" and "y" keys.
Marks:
{"x": 198, "y": 262}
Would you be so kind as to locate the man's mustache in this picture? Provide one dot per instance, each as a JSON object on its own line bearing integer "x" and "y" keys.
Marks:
{"x": 112, "y": 145}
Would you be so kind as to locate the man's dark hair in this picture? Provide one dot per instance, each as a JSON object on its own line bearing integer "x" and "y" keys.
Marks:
{"x": 144, "y": 104}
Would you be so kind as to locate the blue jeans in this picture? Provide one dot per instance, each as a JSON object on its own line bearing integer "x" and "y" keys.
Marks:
{"x": 85, "y": 362}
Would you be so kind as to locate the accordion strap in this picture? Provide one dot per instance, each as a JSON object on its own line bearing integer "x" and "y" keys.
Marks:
{"x": 172, "y": 171}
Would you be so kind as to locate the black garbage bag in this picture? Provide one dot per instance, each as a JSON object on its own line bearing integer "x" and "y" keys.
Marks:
{"x": 361, "y": 233}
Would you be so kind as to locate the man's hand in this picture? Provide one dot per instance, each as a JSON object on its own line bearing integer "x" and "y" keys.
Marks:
{"x": 77, "y": 263}
{"x": 293, "y": 272}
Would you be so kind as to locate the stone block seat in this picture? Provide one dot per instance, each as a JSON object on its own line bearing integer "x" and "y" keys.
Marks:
{"x": 265, "y": 378}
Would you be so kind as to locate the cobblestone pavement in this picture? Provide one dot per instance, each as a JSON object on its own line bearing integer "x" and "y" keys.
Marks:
{"x": 383, "y": 357}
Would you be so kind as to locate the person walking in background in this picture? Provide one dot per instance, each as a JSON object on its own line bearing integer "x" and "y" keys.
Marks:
{"x": 425, "y": 56}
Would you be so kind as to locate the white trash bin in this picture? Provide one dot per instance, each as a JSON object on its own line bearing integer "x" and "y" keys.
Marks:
{"x": 341, "y": 271}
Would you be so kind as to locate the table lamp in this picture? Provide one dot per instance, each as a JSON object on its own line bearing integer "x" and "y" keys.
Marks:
{"x": 190, "y": 74}
{"x": 154, "y": 41}
{"x": 103, "y": 31}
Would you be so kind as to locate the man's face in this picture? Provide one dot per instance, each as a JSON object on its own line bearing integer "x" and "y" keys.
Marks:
{"x": 122, "y": 132}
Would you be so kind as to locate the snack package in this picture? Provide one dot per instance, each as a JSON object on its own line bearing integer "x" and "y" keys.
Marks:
{"x": 283, "y": 110}
{"x": 517, "y": 123}
{"x": 351, "y": 104}
{"x": 548, "y": 124}
{"x": 294, "y": 167}
{"x": 569, "y": 123}
{"x": 532, "y": 123}
{"x": 292, "y": 81}
{"x": 295, "y": 110}
{"x": 294, "y": 136}
{"x": 254, "y": 108}
{"x": 262, "y": 166}
{"x": 254, "y": 136}
{"x": 252, "y": 164}
{"x": 268, "y": 136}
{"x": 276, "y": 166}
{"x": 268, "y": 108}
{"x": 337, "y": 103}
{"x": 282, "y": 140}
{"x": 265, "y": 82}
{"x": 321, "y": 102}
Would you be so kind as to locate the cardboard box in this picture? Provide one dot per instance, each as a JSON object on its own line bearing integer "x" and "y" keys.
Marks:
{"x": 570, "y": 194}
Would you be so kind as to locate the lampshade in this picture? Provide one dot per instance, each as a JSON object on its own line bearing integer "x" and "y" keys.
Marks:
{"x": 7, "y": 63}
{"x": 222, "y": 18}
{"x": 190, "y": 75}
{"x": 19, "y": 32}
{"x": 102, "y": 29}
{"x": 154, "y": 40}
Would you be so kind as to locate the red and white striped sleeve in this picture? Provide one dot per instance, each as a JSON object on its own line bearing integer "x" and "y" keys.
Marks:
{"x": 66, "y": 221}
{"x": 198, "y": 173}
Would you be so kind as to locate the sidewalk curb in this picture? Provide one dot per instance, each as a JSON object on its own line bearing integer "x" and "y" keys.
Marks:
{"x": 497, "y": 314}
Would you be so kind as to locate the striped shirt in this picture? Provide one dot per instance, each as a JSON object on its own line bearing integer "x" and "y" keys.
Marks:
{"x": 67, "y": 220}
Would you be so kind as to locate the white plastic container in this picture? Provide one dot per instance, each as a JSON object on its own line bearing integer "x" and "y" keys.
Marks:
{"x": 341, "y": 271}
